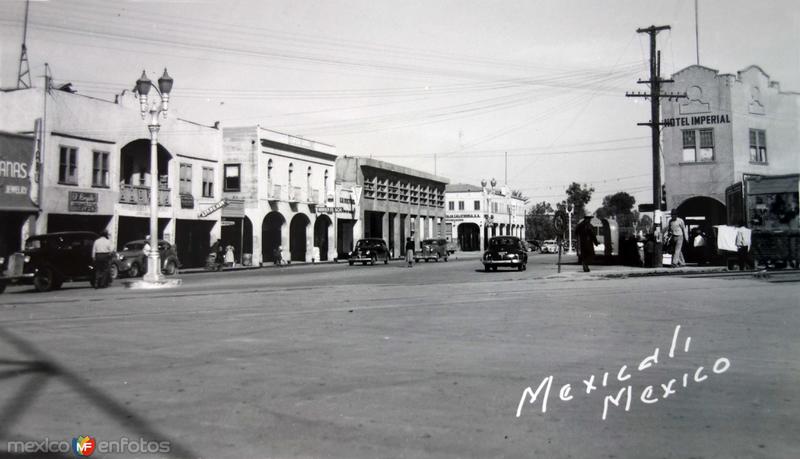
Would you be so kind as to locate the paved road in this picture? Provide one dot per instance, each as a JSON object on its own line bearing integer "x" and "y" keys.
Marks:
{"x": 386, "y": 361}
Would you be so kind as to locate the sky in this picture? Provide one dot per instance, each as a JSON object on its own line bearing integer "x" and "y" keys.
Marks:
{"x": 531, "y": 93}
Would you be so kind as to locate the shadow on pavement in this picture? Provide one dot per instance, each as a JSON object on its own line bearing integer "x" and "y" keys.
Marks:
{"x": 44, "y": 369}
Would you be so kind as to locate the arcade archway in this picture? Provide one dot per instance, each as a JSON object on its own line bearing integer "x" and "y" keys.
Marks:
{"x": 298, "y": 237}
{"x": 322, "y": 229}
{"x": 271, "y": 235}
{"x": 469, "y": 237}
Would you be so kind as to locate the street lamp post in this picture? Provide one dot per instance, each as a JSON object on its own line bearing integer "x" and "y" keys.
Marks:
{"x": 156, "y": 108}
{"x": 570, "y": 211}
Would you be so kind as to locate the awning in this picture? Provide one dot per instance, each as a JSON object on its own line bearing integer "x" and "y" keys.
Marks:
{"x": 29, "y": 208}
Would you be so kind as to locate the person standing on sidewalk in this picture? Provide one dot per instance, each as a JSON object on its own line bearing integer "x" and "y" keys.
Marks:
{"x": 410, "y": 252}
{"x": 678, "y": 234}
{"x": 742, "y": 246}
{"x": 586, "y": 241}
{"x": 101, "y": 255}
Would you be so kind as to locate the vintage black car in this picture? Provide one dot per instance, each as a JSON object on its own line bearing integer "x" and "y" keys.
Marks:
{"x": 505, "y": 251}
{"x": 133, "y": 261}
{"x": 432, "y": 249}
{"x": 369, "y": 250}
{"x": 51, "y": 259}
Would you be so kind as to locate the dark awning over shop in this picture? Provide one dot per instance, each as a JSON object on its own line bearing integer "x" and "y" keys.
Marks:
{"x": 16, "y": 158}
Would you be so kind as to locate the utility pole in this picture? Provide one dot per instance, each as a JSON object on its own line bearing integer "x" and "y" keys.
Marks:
{"x": 655, "y": 123}
{"x": 655, "y": 97}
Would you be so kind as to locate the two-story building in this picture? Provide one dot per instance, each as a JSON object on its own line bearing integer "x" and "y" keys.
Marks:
{"x": 93, "y": 168}
{"x": 727, "y": 127}
{"x": 474, "y": 214}
{"x": 391, "y": 202}
{"x": 278, "y": 187}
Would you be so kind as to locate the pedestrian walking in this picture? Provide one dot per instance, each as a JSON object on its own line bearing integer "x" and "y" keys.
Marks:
{"x": 101, "y": 256}
{"x": 410, "y": 252}
{"x": 586, "y": 241}
{"x": 677, "y": 236}
{"x": 230, "y": 258}
{"x": 277, "y": 255}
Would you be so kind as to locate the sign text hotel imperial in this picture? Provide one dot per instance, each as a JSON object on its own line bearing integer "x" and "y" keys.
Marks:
{"x": 698, "y": 120}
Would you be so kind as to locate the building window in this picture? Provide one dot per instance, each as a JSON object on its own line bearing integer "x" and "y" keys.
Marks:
{"x": 477, "y": 205}
{"x": 208, "y": 182}
{"x": 68, "y": 166}
{"x": 100, "y": 169}
{"x": 758, "y": 146}
{"x": 186, "y": 178}
{"x": 232, "y": 181}
{"x": 698, "y": 145}
{"x": 460, "y": 205}
{"x": 451, "y": 205}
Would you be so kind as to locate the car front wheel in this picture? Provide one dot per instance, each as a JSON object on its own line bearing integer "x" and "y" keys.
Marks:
{"x": 113, "y": 271}
{"x": 44, "y": 280}
{"x": 134, "y": 270}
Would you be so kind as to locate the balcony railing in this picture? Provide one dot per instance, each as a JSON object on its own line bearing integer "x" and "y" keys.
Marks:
{"x": 140, "y": 195}
{"x": 274, "y": 193}
{"x": 295, "y": 194}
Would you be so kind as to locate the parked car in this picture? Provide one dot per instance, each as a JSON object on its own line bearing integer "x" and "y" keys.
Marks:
{"x": 550, "y": 246}
{"x": 432, "y": 249}
{"x": 534, "y": 245}
{"x": 133, "y": 261}
{"x": 452, "y": 246}
{"x": 505, "y": 251}
{"x": 49, "y": 260}
{"x": 369, "y": 250}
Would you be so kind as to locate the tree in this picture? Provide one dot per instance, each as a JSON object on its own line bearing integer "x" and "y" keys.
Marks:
{"x": 540, "y": 221}
{"x": 619, "y": 206}
{"x": 578, "y": 196}
{"x": 619, "y": 203}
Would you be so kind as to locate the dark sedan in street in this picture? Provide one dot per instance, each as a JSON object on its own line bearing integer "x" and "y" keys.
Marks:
{"x": 369, "y": 250}
{"x": 506, "y": 251}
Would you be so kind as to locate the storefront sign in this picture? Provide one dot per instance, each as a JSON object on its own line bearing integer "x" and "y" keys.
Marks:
{"x": 227, "y": 223}
{"x": 328, "y": 210}
{"x": 82, "y": 201}
{"x": 187, "y": 201}
{"x": 16, "y": 153}
{"x": 213, "y": 208}
{"x": 456, "y": 215}
{"x": 698, "y": 120}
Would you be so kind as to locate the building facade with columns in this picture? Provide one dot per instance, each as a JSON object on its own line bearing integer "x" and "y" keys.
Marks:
{"x": 393, "y": 202}
{"x": 92, "y": 168}
{"x": 728, "y": 126}
{"x": 476, "y": 213}
{"x": 279, "y": 191}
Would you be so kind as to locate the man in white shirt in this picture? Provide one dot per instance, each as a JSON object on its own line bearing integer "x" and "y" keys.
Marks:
{"x": 742, "y": 246}
{"x": 101, "y": 254}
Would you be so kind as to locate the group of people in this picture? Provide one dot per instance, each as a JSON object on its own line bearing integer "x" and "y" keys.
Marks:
{"x": 700, "y": 243}
{"x": 223, "y": 255}
{"x": 677, "y": 235}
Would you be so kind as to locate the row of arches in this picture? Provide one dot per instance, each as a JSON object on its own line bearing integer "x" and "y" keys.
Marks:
{"x": 470, "y": 238}
{"x": 296, "y": 236}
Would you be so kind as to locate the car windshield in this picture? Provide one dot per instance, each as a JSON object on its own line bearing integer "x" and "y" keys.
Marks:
{"x": 430, "y": 241}
{"x": 502, "y": 243}
{"x": 550, "y": 242}
{"x": 134, "y": 246}
{"x": 365, "y": 244}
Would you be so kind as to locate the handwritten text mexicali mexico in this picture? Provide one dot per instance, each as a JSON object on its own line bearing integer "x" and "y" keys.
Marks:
{"x": 648, "y": 396}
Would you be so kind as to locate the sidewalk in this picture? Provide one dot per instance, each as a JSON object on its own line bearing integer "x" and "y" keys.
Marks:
{"x": 570, "y": 269}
